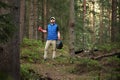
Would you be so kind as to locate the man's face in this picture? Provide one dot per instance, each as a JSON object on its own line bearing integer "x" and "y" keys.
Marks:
{"x": 52, "y": 20}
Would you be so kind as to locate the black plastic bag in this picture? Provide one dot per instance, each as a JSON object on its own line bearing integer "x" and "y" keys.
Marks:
{"x": 59, "y": 44}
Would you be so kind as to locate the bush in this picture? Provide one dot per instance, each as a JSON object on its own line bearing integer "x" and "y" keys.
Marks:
{"x": 85, "y": 65}
{"x": 29, "y": 42}
{"x": 109, "y": 46}
{"x": 7, "y": 27}
{"x": 30, "y": 50}
{"x": 27, "y": 73}
{"x": 24, "y": 72}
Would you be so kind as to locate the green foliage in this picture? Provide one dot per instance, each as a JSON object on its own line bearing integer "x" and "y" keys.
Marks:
{"x": 89, "y": 62}
{"x": 5, "y": 76}
{"x": 105, "y": 4}
{"x": 114, "y": 59}
{"x": 29, "y": 42}
{"x": 4, "y": 5}
{"x": 112, "y": 76}
{"x": 27, "y": 73}
{"x": 108, "y": 46}
{"x": 62, "y": 60}
{"x": 7, "y": 27}
{"x": 24, "y": 71}
{"x": 111, "y": 65}
{"x": 30, "y": 50}
{"x": 84, "y": 65}
{"x": 29, "y": 55}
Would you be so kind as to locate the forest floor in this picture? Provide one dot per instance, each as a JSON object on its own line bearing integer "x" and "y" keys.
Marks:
{"x": 82, "y": 66}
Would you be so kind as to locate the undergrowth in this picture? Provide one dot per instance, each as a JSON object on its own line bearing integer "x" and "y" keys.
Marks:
{"x": 32, "y": 52}
{"x": 108, "y": 46}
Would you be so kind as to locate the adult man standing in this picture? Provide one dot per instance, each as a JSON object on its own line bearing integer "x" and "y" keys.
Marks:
{"x": 53, "y": 34}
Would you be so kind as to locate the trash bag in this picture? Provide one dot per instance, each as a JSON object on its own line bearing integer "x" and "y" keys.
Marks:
{"x": 59, "y": 44}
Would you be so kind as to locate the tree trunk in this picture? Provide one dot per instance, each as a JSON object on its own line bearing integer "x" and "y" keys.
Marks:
{"x": 22, "y": 19}
{"x": 84, "y": 17}
{"x": 109, "y": 25}
{"x": 35, "y": 19}
{"x": 119, "y": 17}
{"x": 71, "y": 28}
{"x": 31, "y": 20}
{"x": 9, "y": 52}
{"x": 114, "y": 29}
{"x": 44, "y": 17}
{"x": 93, "y": 23}
{"x": 101, "y": 25}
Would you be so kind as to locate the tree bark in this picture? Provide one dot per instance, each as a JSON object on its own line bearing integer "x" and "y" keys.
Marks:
{"x": 114, "y": 29}
{"x": 101, "y": 24}
{"x": 119, "y": 17}
{"x": 44, "y": 18}
{"x": 84, "y": 17}
{"x": 22, "y": 19}
{"x": 93, "y": 23}
{"x": 31, "y": 20}
{"x": 71, "y": 28}
{"x": 35, "y": 19}
{"x": 9, "y": 52}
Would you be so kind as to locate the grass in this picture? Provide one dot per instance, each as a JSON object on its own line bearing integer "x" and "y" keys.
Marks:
{"x": 85, "y": 65}
{"x": 34, "y": 67}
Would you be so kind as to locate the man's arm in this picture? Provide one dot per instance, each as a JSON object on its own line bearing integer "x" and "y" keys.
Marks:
{"x": 42, "y": 30}
{"x": 58, "y": 35}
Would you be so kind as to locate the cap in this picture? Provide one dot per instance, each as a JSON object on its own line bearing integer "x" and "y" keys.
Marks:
{"x": 52, "y": 18}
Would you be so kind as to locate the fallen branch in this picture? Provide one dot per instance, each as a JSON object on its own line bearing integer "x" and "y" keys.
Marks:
{"x": 107, "y": 55}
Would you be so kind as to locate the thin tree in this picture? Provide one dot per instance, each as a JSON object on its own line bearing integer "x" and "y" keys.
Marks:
{"x": 22, "y": 19}
{"x": 45, "y": 17}
{"x": 84, "y": 13}
{"x": 101, "y": 24}
{"x": 71, "y": 28}
{"x": 31, "y": 20}
{"x": 35, "y": 24}
{"x": 93, "y": 22}
{"x": 114, "y": 29}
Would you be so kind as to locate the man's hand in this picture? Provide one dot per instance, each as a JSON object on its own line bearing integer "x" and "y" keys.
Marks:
{"x": 40, "y": 29}
{"x": 59, "y": 38}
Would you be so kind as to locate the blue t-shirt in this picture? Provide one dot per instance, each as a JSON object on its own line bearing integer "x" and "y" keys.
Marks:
{"x": 52, "y": 32}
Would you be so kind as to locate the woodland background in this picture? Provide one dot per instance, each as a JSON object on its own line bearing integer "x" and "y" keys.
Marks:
{"x": 85, "y": 26}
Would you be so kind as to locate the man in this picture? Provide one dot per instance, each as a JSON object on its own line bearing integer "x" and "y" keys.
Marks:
{"x": 53, "y": 34}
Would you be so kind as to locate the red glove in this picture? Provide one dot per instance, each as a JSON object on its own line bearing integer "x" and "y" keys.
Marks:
{"x": 40, "y": 28}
